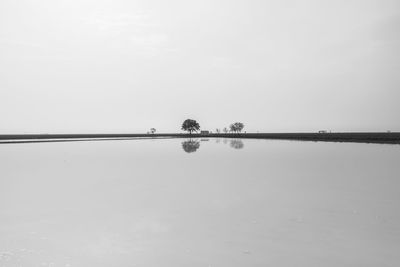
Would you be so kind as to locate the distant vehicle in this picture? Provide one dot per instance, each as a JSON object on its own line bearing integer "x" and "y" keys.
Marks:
{"x": 204, "y": 132}
{"x": 322, "y": 131}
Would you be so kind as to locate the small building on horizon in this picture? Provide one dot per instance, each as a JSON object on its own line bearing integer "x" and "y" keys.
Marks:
{"x": 204, "y": 132}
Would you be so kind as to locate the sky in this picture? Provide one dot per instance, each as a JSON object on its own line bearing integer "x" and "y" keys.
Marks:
{"x": 93, "y": 66}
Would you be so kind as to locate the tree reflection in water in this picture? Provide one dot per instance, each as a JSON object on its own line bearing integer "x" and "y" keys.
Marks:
{"x": 237, "y": 144}
{"x": 190, "y": 145}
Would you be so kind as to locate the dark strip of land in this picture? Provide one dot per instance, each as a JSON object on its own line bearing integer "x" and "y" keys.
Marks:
{"x": 53, "y": 140}
{"x": 359, "y": 137}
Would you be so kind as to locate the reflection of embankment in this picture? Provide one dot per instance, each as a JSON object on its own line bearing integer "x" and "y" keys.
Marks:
{"x": 190, "y": 145}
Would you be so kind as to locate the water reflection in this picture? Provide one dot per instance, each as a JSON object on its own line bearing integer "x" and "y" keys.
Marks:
{"x": 234, "y": 143}
{"x": 106, "y": 204}
{"x": 237, "y": 144}
{"x": 190, "y": 145}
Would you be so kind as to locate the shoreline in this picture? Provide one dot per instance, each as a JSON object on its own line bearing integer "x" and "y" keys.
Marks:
{"x": 355, "y": 137}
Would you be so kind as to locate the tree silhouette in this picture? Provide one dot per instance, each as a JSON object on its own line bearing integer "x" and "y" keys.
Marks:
{"x": 236, "y": 127}
{"x": 152, "y": 130}
{"x": 190, "y": 126}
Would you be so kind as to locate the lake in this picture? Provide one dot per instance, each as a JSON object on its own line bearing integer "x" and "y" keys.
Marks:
{"x": 202, "y": 202}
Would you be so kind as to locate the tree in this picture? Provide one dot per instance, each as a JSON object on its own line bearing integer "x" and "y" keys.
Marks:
{"x": 236, "y": 127}
{"x": 190, "y": 126}
{"x": 225, "y": 130}
{"x": 218, "y": 130}
{"x": 152, "y": 130}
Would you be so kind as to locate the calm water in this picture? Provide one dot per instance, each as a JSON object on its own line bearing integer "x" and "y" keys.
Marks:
{"x": 174, "y": 202}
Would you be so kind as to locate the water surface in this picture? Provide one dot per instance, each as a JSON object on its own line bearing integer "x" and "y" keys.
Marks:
{"x": 209, "y": 202}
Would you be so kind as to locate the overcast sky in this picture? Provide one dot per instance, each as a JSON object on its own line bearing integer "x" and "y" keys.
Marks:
{"x": 125, "y": 66}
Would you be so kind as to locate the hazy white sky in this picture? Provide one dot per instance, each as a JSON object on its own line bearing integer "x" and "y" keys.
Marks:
{"x": 126, "y": 66}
